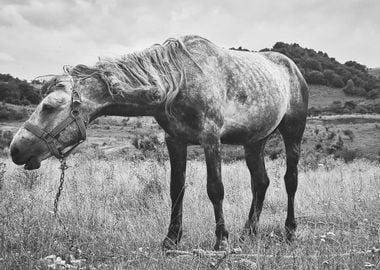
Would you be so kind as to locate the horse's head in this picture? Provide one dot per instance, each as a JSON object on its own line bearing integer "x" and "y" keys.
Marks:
{"x": 56, "y": 126}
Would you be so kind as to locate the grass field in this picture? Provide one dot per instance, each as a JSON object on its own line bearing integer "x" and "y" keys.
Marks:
{"x": 117, "y": 213}
{"x": 116, "y": 202}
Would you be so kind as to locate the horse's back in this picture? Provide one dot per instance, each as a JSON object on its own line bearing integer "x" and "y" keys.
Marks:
{"x": 253, "y": 90}
{"x": 261, "y": 89}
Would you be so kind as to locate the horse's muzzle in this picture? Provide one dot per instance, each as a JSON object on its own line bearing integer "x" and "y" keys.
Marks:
{"x": 20, "y": 158}
{"x": 16, "y": 155}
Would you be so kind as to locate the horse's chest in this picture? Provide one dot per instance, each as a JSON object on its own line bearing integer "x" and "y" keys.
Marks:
{"x": 184, "y": 126}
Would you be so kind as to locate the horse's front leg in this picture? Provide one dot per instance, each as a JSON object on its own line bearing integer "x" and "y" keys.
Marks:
{"x": 177, "y": 152}
{"x": 215, "y": 189}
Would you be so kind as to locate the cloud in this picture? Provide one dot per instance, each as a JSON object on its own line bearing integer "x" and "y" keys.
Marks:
{"x": 4, "y": 57}
{"x": 44, "y": 35}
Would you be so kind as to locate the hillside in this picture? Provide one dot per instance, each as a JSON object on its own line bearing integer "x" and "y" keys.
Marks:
{"x": 319, "y": 68}
{"x": 375, "y": 72}
{"x": 18, "y": 92}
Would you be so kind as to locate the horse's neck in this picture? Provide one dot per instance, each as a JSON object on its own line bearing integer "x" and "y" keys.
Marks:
{"x": 128, "y": 103}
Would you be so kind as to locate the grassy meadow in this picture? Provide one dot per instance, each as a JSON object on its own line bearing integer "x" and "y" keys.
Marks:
{"x": 118, "y": 212}
{"x": 116, "y": 206}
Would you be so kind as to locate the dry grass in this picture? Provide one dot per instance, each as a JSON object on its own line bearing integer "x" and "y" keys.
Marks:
{"x": 118, "y": 212}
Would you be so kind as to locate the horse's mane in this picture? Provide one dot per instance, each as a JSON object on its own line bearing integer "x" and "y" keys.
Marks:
{"x": 160, "y": 67}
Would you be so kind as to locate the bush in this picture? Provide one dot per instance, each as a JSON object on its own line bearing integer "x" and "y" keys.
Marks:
{"x": 361, "y": 109}
{"x": 351, "y": 89}
{"x": 316, "y": 77}
{"x": 348, "y": 155}
{"x": 337, "y": 81}
{"x": 349, "y": 134}
{"x": 8, "y": 113}
{"x": 374, "y": 93}
{"x": 313, "y": 64}
{"x": 6, "y": 137}
{"x": 146, "y": 143}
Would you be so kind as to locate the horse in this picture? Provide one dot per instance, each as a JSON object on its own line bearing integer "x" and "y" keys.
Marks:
{"x": 199, "y": 94}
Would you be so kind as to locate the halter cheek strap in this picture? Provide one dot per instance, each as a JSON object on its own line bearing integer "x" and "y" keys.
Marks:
{"x": 50, "y": 137}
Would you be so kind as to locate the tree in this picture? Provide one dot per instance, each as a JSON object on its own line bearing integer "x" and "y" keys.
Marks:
{"x": 313, "y": 64}
{"x": 337, "y": 81}
{"x": 356, "y": 65}
{"x": 316, "y": 77}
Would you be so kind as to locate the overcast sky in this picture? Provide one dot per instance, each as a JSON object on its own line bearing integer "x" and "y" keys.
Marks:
{"x": 38, "y": 37}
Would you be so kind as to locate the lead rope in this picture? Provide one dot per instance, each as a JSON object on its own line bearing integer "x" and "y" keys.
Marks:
{"x": 62, "y": 167}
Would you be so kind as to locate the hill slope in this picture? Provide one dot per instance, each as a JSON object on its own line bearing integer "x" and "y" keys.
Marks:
{"x": 320, "y": 69}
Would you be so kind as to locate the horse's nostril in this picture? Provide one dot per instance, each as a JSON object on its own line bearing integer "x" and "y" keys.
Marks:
{"x": 14, "y": 151}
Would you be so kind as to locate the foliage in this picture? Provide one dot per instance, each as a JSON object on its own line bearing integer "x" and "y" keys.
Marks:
{"x": 353, "y": 90}
{"x": 319, "y": 68}
{"x": 5, "y": 138}
{"x": 8, "y": 112}
{"x": 315, "y": 77}
{"x": 16, "y": 91}
{"x": 348, "y": 155}
{"x": 117, "y": 214}
{"x": 374, "y": 93}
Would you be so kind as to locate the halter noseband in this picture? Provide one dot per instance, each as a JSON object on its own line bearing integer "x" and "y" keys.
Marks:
{"x": 49, "y": 137}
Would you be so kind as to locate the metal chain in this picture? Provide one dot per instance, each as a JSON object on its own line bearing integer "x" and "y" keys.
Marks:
{"x": 62, "y": 167}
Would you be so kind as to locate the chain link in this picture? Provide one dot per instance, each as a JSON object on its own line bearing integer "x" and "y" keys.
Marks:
{"x": 62, "y": 167}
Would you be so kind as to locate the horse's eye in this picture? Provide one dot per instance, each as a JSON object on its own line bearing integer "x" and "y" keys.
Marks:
{"x": 47, "y": 108}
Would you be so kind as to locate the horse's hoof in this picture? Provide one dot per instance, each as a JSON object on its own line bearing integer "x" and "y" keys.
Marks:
{"x": 222, "y": 245}
{"x": 290, "y": 235}
{"x": 248, "y": 232}
{"x": 168, "y": 244}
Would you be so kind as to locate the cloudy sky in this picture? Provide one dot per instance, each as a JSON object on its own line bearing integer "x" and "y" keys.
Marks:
{"x": 39, "y": 36}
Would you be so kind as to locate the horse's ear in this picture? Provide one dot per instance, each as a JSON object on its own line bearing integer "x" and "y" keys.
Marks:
{"x": 46, "y": 87}
{"x": 67, "y": 69}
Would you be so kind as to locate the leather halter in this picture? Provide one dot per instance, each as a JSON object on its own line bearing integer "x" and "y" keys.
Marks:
{"x": 50, "y": 137}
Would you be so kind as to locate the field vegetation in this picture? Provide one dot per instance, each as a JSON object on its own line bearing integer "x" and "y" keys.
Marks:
{"x": 116, "y": 203}
{"x": 117, "y": 213}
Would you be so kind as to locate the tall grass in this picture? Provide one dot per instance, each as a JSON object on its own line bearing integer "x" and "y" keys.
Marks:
{"x": 118, "y": 212}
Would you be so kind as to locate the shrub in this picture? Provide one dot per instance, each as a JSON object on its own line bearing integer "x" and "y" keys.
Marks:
{"x": 138, "y": 124}
{"x": 356, "y": 65}
{"x": 313, "y": 111}
{"x": 328, "y": 74}
{"x": 331, "y": 135}
{"x": 5, "y": 138}
{"x": 313, "y": 64}
{"x": 350, "y": 105}
{"x": 146, "y": 143}
{"x": 316, "y": 77}
{"x": 349, "y": 134}
{"x": 337, "y": 81}
{"x": 361, "y": 109}
{"x": 8, "y": 113}
{"x": 374, "y": 93}
{"x": 351, "y": 89}
{"x": 348, "y": 155}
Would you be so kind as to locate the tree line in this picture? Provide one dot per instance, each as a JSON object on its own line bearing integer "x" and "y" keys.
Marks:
{"x": 319, "y": 68}
{"x": 16, "y": 91}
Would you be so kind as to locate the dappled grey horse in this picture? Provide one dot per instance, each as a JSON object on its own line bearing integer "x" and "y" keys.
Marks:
{"x": 199, "y": 94}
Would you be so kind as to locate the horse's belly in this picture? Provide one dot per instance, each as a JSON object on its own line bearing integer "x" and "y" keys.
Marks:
{"x": 251, "y": 123}
{"x": 236, "y": 133}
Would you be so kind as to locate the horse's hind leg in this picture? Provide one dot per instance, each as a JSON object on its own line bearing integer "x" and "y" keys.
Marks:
{"x": 177, "y": 152}
{"x": 291, "y": 129}
{"x": 254, "y": 156}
